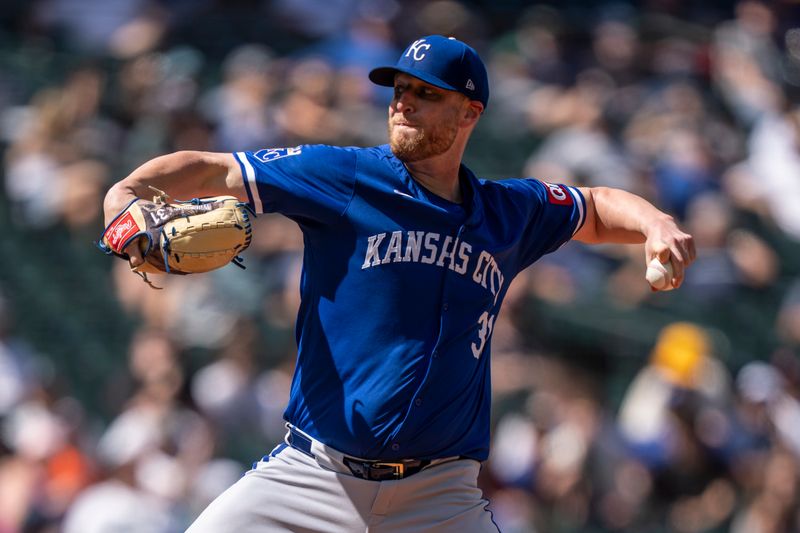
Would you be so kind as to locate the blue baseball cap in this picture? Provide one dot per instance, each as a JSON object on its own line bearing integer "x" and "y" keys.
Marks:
{"x": 444, "y": 62}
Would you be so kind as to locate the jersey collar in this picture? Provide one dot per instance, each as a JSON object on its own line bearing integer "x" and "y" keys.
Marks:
{"x": 469, "y": 183}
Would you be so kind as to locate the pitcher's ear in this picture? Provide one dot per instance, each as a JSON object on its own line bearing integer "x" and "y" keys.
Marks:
{"x": 473, "y": 111}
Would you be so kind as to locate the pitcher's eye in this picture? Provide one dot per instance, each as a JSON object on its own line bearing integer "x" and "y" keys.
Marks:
{"x": 429, "y": 94}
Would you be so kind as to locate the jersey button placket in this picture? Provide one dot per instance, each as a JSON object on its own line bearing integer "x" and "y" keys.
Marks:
{"x": 445, "y": 305}
{"x": 418, "y": 402}
{"x": 395, "y": 446}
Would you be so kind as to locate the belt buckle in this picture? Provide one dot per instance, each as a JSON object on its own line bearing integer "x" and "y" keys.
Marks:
{"x": 399, "y": 468}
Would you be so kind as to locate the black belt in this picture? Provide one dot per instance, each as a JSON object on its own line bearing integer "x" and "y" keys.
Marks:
{"x": 371, "y": 470}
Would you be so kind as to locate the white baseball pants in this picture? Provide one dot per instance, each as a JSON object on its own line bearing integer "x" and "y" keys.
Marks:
{"x": 292, "y": 491}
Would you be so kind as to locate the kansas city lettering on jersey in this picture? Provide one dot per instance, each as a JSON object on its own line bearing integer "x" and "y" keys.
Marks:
{"x": 432, "y": 249}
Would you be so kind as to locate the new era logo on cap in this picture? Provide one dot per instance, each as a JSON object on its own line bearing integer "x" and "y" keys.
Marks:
{"x": 443, "y": 62}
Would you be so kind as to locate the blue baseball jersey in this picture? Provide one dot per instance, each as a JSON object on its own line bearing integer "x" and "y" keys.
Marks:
{"x": 399, "y": 293}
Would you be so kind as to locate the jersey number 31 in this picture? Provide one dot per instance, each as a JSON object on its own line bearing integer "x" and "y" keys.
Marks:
{"x": 486, "y": 322}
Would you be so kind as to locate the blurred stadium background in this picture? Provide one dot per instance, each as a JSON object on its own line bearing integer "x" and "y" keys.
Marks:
{"x": 616, "y": 410}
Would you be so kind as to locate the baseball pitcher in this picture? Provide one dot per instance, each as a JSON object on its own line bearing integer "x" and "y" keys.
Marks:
{"x": 408, "y": 256}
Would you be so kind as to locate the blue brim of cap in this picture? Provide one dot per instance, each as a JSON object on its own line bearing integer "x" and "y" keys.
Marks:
{"x": 385, "y": 76}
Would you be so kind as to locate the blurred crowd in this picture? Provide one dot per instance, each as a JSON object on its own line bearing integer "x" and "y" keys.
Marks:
{"x": 615, "y": 409}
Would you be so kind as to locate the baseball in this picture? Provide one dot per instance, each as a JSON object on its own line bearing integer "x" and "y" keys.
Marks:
{"x": 659, "y": 275}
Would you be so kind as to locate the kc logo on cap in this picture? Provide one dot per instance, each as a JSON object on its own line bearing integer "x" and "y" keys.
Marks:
{"x": 443, "y": 62}
{"x": 417, "y": 49}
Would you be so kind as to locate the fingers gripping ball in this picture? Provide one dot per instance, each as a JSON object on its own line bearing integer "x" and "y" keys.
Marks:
{"x": 189, "y": 237}
{"x": 659, "y": 275}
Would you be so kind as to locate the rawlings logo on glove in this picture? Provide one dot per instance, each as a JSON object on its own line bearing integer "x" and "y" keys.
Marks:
{"x": 189, "y": 237}
{"x": 121, "y": 232}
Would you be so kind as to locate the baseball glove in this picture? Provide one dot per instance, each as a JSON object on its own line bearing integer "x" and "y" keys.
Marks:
{"x": 182, "y": 237}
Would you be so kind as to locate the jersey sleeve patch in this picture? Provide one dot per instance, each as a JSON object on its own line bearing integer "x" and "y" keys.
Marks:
{"x": 271, "y": 154}
{"x": 557, "y": 194}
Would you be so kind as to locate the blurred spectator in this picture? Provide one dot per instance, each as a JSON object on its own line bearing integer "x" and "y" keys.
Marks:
{"x": 670, "y": 418}
{"x": 682, "y": 361}
{"x": 746, "y": 63}
{"x": 241, "y": 109}
{"x": 729, "y": 258}
{"x": 769, "y": 178}
{"x": 55, "y": 163}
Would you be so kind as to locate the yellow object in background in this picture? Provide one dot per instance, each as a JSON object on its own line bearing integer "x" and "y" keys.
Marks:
{"x": 679, "y": 352}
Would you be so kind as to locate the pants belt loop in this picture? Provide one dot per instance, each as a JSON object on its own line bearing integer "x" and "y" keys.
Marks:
{"x": 300, "y": 442}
